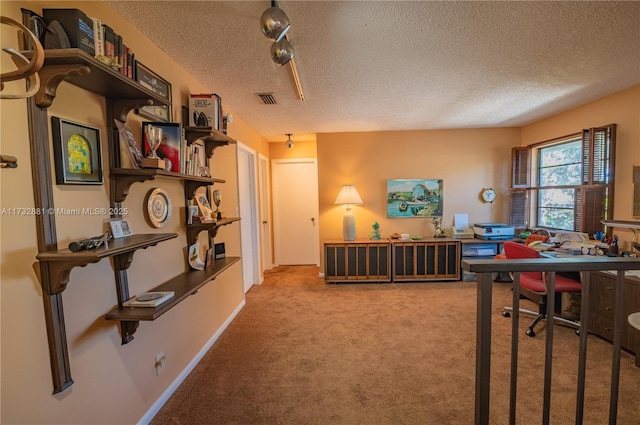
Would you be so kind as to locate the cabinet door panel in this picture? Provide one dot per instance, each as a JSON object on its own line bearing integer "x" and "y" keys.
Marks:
{"x": 340, "y": 261}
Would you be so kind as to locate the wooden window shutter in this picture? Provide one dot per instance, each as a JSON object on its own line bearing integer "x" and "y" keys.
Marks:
{"x": 591, "y": 209}
{"x": 520, "y": 167}
{"x": 519, "y": 209}
{"x": 595, "y": 202}
{"x": 598, "y": 155}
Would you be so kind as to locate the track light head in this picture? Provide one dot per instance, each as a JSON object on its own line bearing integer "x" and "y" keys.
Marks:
{"x": 282, "y": 52}
{"x": 274, "y": 23}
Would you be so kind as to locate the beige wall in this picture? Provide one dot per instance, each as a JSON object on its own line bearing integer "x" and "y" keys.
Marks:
{"x": 467, "y": 160}
{"x": 623, "y": 109}
{"x": 114, "y": 384}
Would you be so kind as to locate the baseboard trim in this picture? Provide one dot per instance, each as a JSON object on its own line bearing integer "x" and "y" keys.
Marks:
{"x": 155, "y": 408}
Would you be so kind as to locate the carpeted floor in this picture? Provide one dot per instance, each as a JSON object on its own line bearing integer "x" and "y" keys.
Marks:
{"x": 305, "y": 352}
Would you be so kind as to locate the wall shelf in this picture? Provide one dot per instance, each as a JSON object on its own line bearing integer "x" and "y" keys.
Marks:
{"x": 62, "y": 261}
{"x": 82, "y": 70}
{"x": 183, "y": 285}
{"x": 124, "y": 177}
{"x": 194, "y": 229}
{"x": 634, "y": 226}
{"x": 122, "y": 95}
{"x": 212, "y": 138}
{"x": 622, "y": 224}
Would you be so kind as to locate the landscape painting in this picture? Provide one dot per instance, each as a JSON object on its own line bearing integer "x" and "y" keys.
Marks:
{"x": 414, "y": 198}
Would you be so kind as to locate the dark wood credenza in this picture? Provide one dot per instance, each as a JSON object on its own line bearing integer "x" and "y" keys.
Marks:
{"x": 602, "y": 296}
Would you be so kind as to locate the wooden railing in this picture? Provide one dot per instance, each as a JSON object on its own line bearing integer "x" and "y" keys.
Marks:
{"x": 584, "y": 264}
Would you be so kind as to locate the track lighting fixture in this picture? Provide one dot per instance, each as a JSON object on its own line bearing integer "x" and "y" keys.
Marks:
{"x": 274, "y": 23}
{"x": 289, "y": 142}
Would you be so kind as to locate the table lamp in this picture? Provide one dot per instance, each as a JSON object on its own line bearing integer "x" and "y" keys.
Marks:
{"x": 348, "y": 196}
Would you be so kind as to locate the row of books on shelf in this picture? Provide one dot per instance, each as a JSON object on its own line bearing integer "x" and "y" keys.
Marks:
{"x": 72, "y": 28}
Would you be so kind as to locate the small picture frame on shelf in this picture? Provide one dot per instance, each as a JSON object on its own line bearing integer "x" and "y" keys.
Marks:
{"x": 120, "y": 228}
{"x": 205, "y": 208}
{"x": 160, "y": 113}
{"x": 219, "y": 250}
{"x": 152, "y": 81}
{"x": 77, "y": 152}
{"x": 129, "y": 147}
{"x": 192, "y": 213}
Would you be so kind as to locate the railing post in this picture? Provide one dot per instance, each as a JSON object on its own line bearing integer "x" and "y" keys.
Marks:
{"x": 585, "y": 278}
{"x": 617, "y": 344}
{"x": 483, "y": 348}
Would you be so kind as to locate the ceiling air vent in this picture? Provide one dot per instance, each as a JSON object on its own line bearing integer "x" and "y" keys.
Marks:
{"x": 267, "y": 98}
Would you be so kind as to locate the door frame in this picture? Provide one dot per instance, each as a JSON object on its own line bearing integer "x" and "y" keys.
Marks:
{"x": 265, "y": 219}
{"x": 274, "y": 189}
{"x": 250, "y": 213}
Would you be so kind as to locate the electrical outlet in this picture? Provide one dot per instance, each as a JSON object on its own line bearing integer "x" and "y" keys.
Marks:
{"x": 161, "y": 361}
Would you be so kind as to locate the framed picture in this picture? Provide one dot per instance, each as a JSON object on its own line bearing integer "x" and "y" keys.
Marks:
{"x": 120, "y": 228}
{"x": 205, "y": 207}
{"x": 414, "y": 198}
{"x": 77, "y": 152}
{"x": 169, "y": 149}
{"x": 152, "y": 81}
{"x": 129, "y": 147}
{"x": 155, "y": 113}
{"x": 192, "y": 212}
{"x": 219, "y": 250}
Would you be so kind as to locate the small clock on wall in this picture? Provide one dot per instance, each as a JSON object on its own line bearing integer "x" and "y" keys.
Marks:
{"x": 488, "y": 195}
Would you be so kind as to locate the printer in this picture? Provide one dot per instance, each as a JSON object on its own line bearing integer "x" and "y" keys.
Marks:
{"x": 493, "y": 231}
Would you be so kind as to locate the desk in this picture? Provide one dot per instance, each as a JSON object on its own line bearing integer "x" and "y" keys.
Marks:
{"x": 602, "y": 296}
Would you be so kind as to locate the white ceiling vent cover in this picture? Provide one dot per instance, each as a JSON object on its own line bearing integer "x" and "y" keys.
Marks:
{"x": 267, "y": 98}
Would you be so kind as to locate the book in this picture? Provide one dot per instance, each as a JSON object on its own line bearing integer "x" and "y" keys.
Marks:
{"x": 109, "y": 44}
{"x": 205, "y": 110}
{"x": 77, "y": 25}
{"x": 98, "y": 37}
{"x": 149, "y": 299}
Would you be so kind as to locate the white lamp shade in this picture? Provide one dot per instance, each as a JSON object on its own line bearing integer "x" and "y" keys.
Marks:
{"x": 348, "y": 196}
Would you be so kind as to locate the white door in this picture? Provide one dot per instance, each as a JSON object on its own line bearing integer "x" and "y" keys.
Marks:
{"x": 295, "y": 211}
{"x": 249, "y": 216}
{"x": 265, "y": 214}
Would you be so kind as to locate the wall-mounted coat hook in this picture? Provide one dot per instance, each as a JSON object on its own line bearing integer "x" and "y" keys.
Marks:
{"x": 7, "y": 161}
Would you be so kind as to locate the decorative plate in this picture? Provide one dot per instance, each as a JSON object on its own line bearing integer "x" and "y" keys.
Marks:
{"x": 158, "y": 207}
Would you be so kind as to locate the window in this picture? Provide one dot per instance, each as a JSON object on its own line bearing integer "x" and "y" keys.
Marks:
{"x": 559, "y": 171}
{"x": 572, "y": 179}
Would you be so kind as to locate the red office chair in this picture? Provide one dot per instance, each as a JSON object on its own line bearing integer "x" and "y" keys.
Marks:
{"x": 536, "y": 283}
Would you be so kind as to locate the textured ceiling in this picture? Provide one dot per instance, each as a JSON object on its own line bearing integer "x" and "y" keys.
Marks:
{"x": 391, "y": 65}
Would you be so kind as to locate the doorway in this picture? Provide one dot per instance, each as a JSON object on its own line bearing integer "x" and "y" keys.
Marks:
{"x": 248, "y": 206}
{"x": 295, "y": 211}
